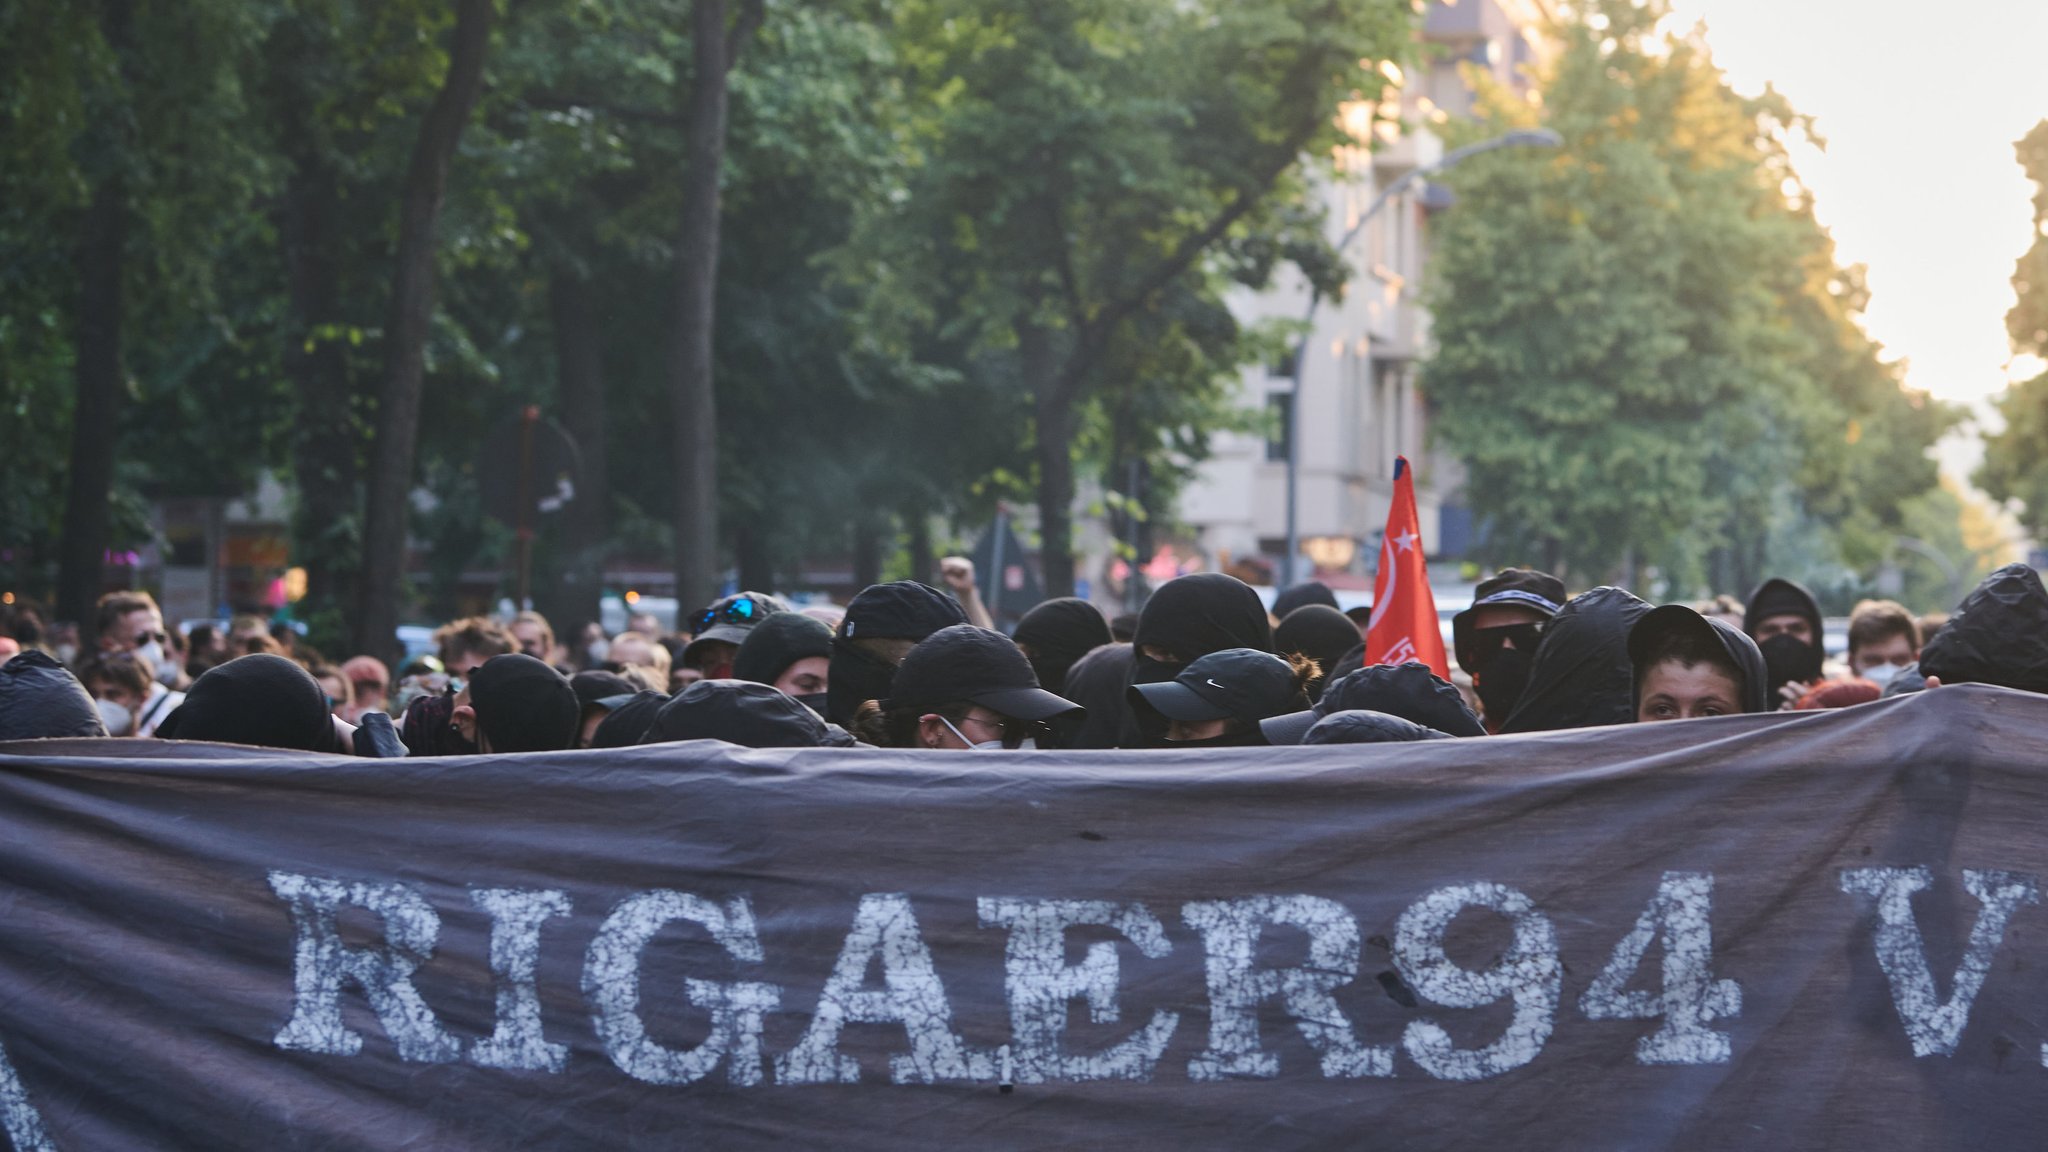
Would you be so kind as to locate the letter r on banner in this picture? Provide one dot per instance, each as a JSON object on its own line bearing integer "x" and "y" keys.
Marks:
{"x": 321, "y": 963}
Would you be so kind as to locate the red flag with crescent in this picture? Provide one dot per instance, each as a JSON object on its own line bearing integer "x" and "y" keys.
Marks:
{"x": 1403, "y": 625}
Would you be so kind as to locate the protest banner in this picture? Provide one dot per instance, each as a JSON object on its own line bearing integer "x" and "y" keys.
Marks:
{"x": 1811, "y": 931}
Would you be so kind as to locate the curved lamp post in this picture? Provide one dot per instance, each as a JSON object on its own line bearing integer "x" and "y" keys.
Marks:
{"x": 1530, "y": 138}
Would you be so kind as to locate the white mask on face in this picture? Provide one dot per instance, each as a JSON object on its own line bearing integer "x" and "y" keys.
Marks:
{"x": 166, "y": 672}
{"x": 598, "y": 650}
{"x": 1881, "y": 674}
{"x": 984, "y": 746}
{"x": 115, "y": 716}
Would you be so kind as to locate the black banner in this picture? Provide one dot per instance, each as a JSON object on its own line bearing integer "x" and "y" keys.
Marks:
{"x": 1820, "y": 931}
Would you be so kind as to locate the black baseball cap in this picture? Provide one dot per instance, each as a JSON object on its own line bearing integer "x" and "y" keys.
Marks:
{"x": 1410, "y": 691}
{"x": 730, "y": 618}
{"x": 1516, "y": 587}
{"x": 899, "y": 610}
{"x": 1241, "y": 683}
{"x": 978, "y": 665}
{"x": 595, "y": 687}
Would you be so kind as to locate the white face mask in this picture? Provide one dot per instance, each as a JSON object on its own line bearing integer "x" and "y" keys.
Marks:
{"x": 1881, "y": 674}
{"x": 166, "y": 672}
{"x": 115, "y": 716}
{"x": 598, "y": 650}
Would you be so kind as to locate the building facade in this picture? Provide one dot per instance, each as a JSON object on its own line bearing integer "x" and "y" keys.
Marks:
{"x": 1360, "y": 405}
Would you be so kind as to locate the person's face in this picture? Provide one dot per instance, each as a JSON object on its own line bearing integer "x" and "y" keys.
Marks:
{"x": 978, "y": 725}
{"x": 337, "y": 693}
{"x": 119, "y": 694}
{"x": 681, "y": 678}
{"x": 1195, "y": 729}
{"x": 1163, "y": 655}
{"x": 714, "y": 658}
{"x": 1895, "y": 650}
{"x": 806, "y": 677}
{"x": 631, "y": 650}
{"x": 1785, "y": 624}
{"x": 531, "y": 640}
{"x": 134, "y": 630}
{"x": 464, "y": 719}
{"x": 1674, "y": 690}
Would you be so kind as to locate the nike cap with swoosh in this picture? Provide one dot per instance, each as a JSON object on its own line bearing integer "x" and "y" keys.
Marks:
{"x": 1237, "y": 682}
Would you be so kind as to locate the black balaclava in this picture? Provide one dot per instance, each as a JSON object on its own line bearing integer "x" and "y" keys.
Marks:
{"x": 1998, "y": 635}
{"x": 522, "y": 705}
{"x": 900, "y": 610}
{"x": 1581, "y": 676}
{"x": 1300, "y": 596}
{"x": 1319, "y": 632}
{"x": 1096, "y": 682}
{"x": 1191, "y": 616}
{"x": 40, "y": 698}
{"x": 624, "y": 725}
{"x": 262, "y": 700}
{"x": 1506, "y": 677}
{"x": 1785, "y": 658}
{"x": 743, "y": 712}
{"x": 1059, "y": 633}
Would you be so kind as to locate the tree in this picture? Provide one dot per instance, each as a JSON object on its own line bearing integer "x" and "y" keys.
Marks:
{"x": 1647, "y": 358}
{"x": 2015, "y": 465}
{"x": 1087, "y": 168}
{"x": 412, "y": 308}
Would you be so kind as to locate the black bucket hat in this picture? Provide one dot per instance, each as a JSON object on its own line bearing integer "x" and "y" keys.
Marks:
{"x": 1511, "y": 587}
{"x": 729, "y": 619}
{"x": 977, "y": 665}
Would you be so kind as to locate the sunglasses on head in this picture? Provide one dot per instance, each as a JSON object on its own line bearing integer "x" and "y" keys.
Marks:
{"x": 745, "y": 610}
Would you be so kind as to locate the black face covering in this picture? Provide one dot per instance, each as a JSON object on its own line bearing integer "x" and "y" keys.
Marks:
{"x": 1787, "y": 658}
{"x": 1501, "y": 683}
{"x": 1060, "y": 632}
{"x": 815, "y": 701}
{"x": 857, "y": 676}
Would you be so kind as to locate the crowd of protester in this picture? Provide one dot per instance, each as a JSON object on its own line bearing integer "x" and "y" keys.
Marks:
{"x": 909, "y": 665}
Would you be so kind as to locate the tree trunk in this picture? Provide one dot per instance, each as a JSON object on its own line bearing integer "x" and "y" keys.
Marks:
{"x": 924, "y": 564}
{"x": 1053, "y": 419}
{"x": 756, "y": 560}
{"x": 579, "y": 388}
{"x": 95, "y": 416}
{"x": 324, "y": 441}
{"x": 691, "y": 391}
{"x": 405, "y": 334}
{"x": 867, "y": 553}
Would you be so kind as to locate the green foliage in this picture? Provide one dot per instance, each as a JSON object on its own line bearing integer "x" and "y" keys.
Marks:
{"x": 1647, "y": 356}
{"x": 2015, "y": 464}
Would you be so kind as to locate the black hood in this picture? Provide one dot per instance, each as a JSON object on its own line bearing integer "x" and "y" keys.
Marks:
{"x": 1778, "y": 597}
{"x": 1097, "y": 682}
{"x": 1060, "y": 632}
{"x": 1734, "y": 643}
{"x": 1998, "y": 635}
{"x": 40, "y": 698}
{"x": 1581, "y": 676}
{"x": 261, "y": 700}
{"x": 1192, "y": 616}
{"x": 1364, "y": 726}
{"x": 1320, "y": 633}
{"x": 1302, "y": 595}
{"x": 623, "y": 727}
{"x": 900, "y": 610}
{"x": 1409, "y": 691}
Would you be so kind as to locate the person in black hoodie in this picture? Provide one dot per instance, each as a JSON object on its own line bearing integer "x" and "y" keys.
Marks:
{"x": 1687, "y": 666}
{"x": 881, "y": 626}
{"x": 1185, "y": 620}
{"x": 791, "y": 653}
{"x": 1998, "y": 635}
{"x": 40, "y": 698}
{"x": 1322, "y": 634}
{"x": 1408, "y": 691}
{"x": 1784, "y": 620}
{"x": 1058, "y": 632}
{"x": 1581, "y": 676}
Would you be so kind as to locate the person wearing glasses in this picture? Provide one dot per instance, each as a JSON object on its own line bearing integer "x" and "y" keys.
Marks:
{"x": 965, "y": 687}
{"x": 718, "y": 630}
{"x": 1496, "y": 637}
{"x": 131, "y": 622}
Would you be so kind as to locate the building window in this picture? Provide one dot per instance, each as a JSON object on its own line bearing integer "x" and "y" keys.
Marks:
{"x": 1279, "y": 426}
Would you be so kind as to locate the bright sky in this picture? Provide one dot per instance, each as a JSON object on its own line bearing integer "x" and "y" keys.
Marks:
{"x": 1920, "y": 105}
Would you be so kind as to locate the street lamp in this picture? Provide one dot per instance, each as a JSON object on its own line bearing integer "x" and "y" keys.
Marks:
{"x": 1521, "y": 138}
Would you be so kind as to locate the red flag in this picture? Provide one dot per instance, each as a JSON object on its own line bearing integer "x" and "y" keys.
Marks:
{"x": 1403, "y": 626}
